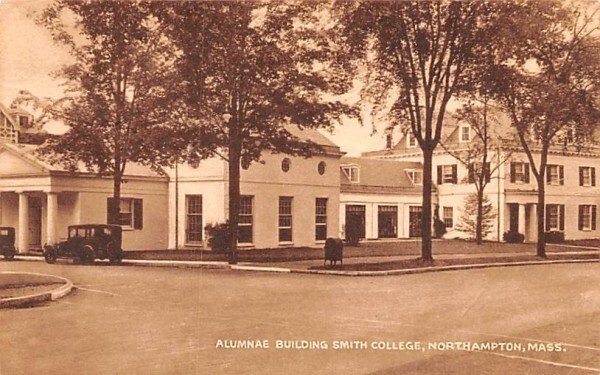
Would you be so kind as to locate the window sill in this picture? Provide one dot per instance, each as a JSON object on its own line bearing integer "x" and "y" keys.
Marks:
{"x": 246, "y": 245}
{"x": 286, "y": 243}
{"x": 586, "y": 230}
{"x": 320, "y": 242}
{"x": 127, "y": 229}
{"x": 193, "y": 244}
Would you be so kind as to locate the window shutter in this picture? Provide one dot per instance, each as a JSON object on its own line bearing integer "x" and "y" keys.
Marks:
{"x": 471, "y": 173}
{"x": 439, "y": 175}
{"x": 138, "y": 213}
{"x": 580, "y": 177}
{"x": 561, "y": 225}
{"x": 526, "y": 172}
{"x": 594, "y": 217}
{"x": 454, "y": 174}
{"x": 114, "y": 218}
{"x": 593, "y": 176}
{"x": 561, "y": 174}
{"x": 580, "y": 220}
{"x": 548, "y": 174}
{"x": 513, "y": 174}
{"x": 547, "y": 217}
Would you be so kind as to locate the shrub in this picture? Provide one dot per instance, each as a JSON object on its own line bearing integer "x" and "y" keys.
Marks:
{"x": 353, "y": 232}
{"x": 555, "y": 236}
{"x": 218, "y": 237}
{"x": 439, "y": 228}
{"x": 513, "y": 237}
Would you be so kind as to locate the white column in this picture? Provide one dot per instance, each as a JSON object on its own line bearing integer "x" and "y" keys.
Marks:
{"x": 23, "y": 230}
{"x": 51, "y": 217}
{"x": 522, "y": 219}
{"x": 401, "y": 221}
{"x": 533, "y": 223}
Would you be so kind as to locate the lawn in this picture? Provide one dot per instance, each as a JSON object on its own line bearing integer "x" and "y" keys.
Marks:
{"x": 365, "y": 249}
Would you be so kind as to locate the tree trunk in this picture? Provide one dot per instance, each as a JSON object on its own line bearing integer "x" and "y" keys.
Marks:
{"x": 541, "y": 210}
{"x": 478, "y": 227}
{"x": 234, "y": 192}
{"x": 426, "y": 251}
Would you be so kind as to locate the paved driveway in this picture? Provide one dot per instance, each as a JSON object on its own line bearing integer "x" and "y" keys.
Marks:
{"x": 135, "y": 320}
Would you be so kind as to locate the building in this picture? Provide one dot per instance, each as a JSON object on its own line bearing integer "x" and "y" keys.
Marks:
{"x": 572, "y": 192}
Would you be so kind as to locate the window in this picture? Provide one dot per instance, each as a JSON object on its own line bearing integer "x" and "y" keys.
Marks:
{"x": 465, "y": 133}
{"x": 415, "y": 176}
{"x": 448, "y": 217}
{"x": 285, "y": 219}
{"x": 245, "y": 219}
{"x": 587, "y": 217}
{"x": 285, "y": 164}
{"x": 447, "y": 174}
{"x": 555, "y": 175}
{"x": 351, "y": 172}
{"x": 519, "y": 173}
{"x": 193, "y": 208}
{"x": 587, "y": 176}
{"x": 475, "y": 170}
{"x": 321, "y": 219}
{"x": 388, "y": 141}
{"x": 131, "y": 213}
{"x": 23, "y": 121}
{"x": 411, "y": 141}
{"x": 555, "y": 217}
{"x": 321, "y": 168}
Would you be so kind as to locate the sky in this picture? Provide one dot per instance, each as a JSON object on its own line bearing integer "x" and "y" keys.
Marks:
{"x": 28, "y": 57}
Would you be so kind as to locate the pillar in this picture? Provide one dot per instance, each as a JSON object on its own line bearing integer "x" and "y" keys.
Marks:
{"x": 51, "y": 217}
{"x": 23, "y": 230}
{"x": 522, "y": 219}
{"x": 533, "y": 223}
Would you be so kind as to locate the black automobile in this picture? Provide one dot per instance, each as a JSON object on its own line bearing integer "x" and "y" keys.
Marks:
{"x": 7, "y": 242}
{"x": 88, "y": 242}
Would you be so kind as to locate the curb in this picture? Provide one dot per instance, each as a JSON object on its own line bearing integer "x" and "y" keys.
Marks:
{"x": 32, "y": 299}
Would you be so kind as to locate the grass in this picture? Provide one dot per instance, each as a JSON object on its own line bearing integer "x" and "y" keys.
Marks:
{"x": 419, "y": 263}
{"x": 591, "y": 242}
{"x": 365, "y": 249}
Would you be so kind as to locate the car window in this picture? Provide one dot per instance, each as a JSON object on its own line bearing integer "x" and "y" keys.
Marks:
{"x": 72, "y": 232}
{"x": 3, "y": 232}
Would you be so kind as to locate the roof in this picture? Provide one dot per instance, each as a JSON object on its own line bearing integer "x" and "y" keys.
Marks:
{"x": 29, "y": 153}
{"x": 379, "y": 176}
{"x": 8, "y": 115}
{"x": 315, "y": 136}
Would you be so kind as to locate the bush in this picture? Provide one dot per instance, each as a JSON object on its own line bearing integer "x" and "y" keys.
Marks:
{"x": 555, "y": 236}
{"x": 353, "y": 232}
{"x": 439, "y": 228}
{"x": 218, "y": 237}
{"x": 513, "y": 237}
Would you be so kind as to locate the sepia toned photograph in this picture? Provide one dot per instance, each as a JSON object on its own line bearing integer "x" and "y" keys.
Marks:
{"x": 299, "y": 187}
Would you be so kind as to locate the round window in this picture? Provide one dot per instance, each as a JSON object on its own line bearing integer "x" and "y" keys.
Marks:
{"x": 285, "y": 164}
{"x": 321, "y": 167}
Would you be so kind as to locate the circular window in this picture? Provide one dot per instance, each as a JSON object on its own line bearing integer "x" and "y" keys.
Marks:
{"x": 321, "y": 167}
{"x": 285, "y": 164}
{"x": 245, "y": 164}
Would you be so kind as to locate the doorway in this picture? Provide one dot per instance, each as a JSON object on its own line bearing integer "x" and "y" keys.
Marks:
{"x": 355, "y": 215}
{"x": 35, "y": 222}
{"x": 415, "y": 229}
{"x": 387, "y": 221}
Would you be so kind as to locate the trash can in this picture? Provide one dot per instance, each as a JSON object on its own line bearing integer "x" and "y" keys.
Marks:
{"x": 333, "y": 251}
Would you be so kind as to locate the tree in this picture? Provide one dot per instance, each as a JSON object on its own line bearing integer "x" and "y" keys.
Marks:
{"x": 115, "y": 104}
{"x": 420, "y": 54}
{"x": 482, "y": 155}
{"x": 551, "y": 91}
{"x": 250, "y": 70}
{"x": 478, "y": 216}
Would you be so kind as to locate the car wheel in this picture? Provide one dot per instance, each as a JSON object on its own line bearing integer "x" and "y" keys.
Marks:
{"x": 88, "y": 254}
{"x": 114, "y": 255}
{"x": 50, "y": 254}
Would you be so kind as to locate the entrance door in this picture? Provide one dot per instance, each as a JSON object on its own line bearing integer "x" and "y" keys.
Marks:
{"x": 415, "y": 229}
{"x": 514, "y": 217}
{"x": 35, "y": 223}
{"x": 387, "y": 222}
{"x": 355, "y": 215}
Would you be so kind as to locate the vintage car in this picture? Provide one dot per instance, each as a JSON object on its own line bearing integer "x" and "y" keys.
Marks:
{"x": 88, "y": 242}
{"x": 7, "y": 242}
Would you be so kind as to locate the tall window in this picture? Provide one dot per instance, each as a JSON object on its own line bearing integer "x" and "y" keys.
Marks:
{"x": 415, "y": 176}
{"x": 587, "y": 176}
{"x": 285, "y": 219}
{"x": 321, "y": 219}
{"x": 587, "y": 217}
{"x": 193, "y": 208}
{"x": 448, "y": 217}
{"x": 555, "y": 175}
{"x": 351, "y": 172}
{"x": 465, "y": 133}
{"x": 245, "y": 219}
{"x": 555, "y": 217}
{"x": 519, "y": 173}
{"x": 131, "y": 213}
{"x": 447, "y": 174}
{"x": 475, "y": 170}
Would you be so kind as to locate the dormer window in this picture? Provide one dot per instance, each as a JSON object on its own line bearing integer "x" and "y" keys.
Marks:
{"x": 24, "y": 121}
{"x": 388, "y": 141}
{"x": 351, "y": 172}
{"x": 415, "y": 176}
{"x": 411, "y": 141}
{"x": 465, "y": 133}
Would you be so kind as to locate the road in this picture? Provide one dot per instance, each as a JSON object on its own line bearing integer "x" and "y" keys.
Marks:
{"x": 137, "y": 320}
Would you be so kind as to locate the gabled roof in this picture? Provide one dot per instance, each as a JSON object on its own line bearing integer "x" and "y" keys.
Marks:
{"x": 313, "y": 135}
{"x": 379, "y": 176}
